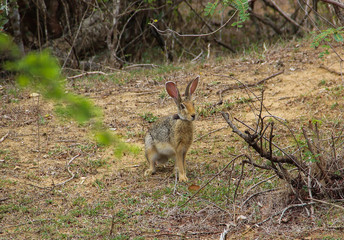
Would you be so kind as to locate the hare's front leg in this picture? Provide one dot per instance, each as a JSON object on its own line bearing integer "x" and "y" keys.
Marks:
{"x": 151, "y": 157}
{"x": 180, "y": 164}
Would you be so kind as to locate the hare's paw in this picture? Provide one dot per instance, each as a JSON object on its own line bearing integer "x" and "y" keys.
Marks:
{"x": 149, "y": 172}
{"x": 183, "y": 178}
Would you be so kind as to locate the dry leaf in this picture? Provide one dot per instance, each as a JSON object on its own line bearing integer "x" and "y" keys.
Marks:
{"x": 194, "y": 188}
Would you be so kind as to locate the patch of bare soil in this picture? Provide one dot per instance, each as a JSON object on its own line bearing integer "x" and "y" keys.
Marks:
{"x": 57, "y": 183}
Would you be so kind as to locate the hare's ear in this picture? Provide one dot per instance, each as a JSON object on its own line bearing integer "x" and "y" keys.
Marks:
{"x": 191, "y": 87}
{"x": 172, "y": 90}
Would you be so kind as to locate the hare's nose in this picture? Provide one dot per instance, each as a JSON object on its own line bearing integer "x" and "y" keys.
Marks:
{"x": 193, "y": 116}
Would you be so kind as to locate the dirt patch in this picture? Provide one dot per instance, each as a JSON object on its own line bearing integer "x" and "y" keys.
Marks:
{"x": 110, "y": 195}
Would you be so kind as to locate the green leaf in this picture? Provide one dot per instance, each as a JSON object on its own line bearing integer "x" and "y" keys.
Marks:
{"x": 338, "y": 37}
{"x": 210, "y": 8}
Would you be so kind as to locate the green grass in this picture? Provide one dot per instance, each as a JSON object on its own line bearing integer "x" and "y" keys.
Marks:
{"x": 149, "y": 117}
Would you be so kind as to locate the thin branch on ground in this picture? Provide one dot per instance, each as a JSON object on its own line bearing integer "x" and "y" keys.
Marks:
{"x": 258, "y": 193}
{"x": 241, "y": 86}
{"x": 228, "y": 164}
{"x": 330, "y": 70}
{"x": 282, "y": 211}
{"x": 87, "y": 74}
{"x": 213, "y": 131}
{"x": 328, "y": 203}
{"x": 28, "y": 222}
{"x": 258, "y": 183}
{"x": 4, "y": 137}
{"x": 293, "y": 206}
{"x": 70, "y": 172}
{"x": 141, "y": 66}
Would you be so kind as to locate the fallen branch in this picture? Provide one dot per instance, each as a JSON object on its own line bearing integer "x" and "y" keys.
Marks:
{"x": 4, "y": 137}
{"x": 216, "y": 130}
{"x": 258, "y": 183}
{"x": 141, "y": 66}
{"x": 292, "y": 206}
{"x": 282, "y": 211}
{"x": 70, "y": 172}
{"x": 242, "y": 86}
{"x": 330, "y": 70}
{"x": 86, "y": 74}
{"x": 338, "y": 4}
{"x": 242, "y": 155}
{"x": 328, "y": 203}
{"x": 258, "y": 193}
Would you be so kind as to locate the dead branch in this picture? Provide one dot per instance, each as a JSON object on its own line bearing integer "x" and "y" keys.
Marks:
{"x": 242, "y": 155}
{"x": 141, "y": 66}
{"x": 258, "y": 193}
{"x": 267, "y": 22}
{"x": 292, "y": 206}
{"x": 75, "y": 38}
{"x": 250, "y": 139}
{"x": 4, "y": 199}
{"x": 241, "y": 86}
{"x": 4, "y": 137}
{"x": 338, "y": 4}
{"x": 315, "y": 154}
{"x": 258, "y": 183}
{"x": 87, "y": 74}
{"x": 210, "y": 28}
{"x": 330, "y": 70}
{"x": 273, "y": 5}
{"x": 216, "y": 130}
{"x": 193, "y": 35}
{"x": 69, "y": 171}
{"x": 328, "y": 203}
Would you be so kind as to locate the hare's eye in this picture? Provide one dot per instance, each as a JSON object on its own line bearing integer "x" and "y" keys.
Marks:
{"x": 182, "y": 106}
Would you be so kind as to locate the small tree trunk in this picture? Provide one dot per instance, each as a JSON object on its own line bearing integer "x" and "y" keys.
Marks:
{"x": 112, "y": 36}
{"x": 15, "y": 23}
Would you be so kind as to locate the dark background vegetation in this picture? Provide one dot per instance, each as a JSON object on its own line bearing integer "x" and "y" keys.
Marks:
{"x": 91, "y": 34}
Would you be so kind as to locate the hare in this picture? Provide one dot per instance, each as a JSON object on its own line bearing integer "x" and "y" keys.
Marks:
{"x": 172, "y": 136}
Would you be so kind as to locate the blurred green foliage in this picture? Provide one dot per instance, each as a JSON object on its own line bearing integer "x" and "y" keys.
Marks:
{"x": 40, "y": 72}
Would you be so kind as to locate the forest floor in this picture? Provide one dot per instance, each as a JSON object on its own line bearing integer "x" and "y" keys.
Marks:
{"x": 57, "y": 183}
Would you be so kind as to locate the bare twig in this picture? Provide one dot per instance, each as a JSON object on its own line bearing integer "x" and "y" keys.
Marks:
{"x": 338, "y": 4}
{"x": 4, "y": 137}
{"x": 250, "y": 139}
{"x": 216, "y": 130}
{"x": 330, "y": 70}
{"x": 193, "y": 35}
{"x": 242, "y": 155}
{"x": 86, "y": 74}
{"x": 141, "y": 65}
{"x": 70, "y": 172}
{"x": 286, "y": 15}
{"x": 328, "y": 203}
{"x": 292, "y": 206}
{"x": 241, "y": 86}
{"x": 76, "y": 36}
{"x": 258, "y": 183}
{"x": 258, "y": 193}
